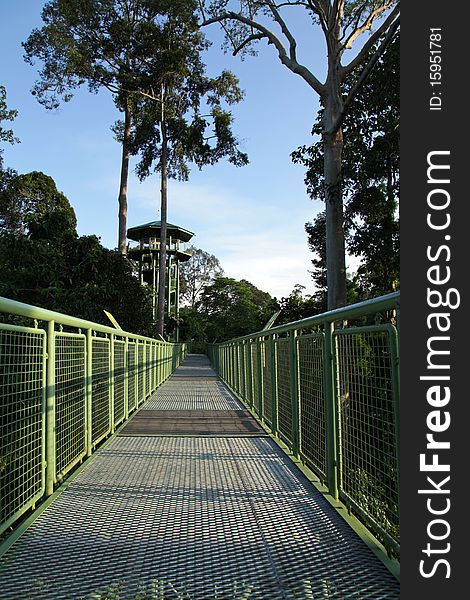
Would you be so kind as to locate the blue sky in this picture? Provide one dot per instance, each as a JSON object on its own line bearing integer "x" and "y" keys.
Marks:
{"x": 251, "y": 218}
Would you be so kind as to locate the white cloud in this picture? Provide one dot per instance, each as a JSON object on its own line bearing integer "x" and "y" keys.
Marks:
{"x": 253, "y": 239}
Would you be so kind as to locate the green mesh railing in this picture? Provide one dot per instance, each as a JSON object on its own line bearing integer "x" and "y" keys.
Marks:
{"x": 65, "y": 385}
{"x": 328, "y": 387}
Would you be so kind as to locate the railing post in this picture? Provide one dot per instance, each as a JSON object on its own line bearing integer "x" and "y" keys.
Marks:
{"x": 261, "y": 349}
{"x": 126, "y": 379}
{"x": 144, "y": 371}
{"x": 294, "y": 388}
{"x": 50, "y": 410}
{"x": 395, "y": 373}
{"x": 111, "y": 382}
{"x": 89, "y": 390}
{"x": 330, "y": 412}
{"x": 274, "y": 411}
{"x": 249, "y": 373}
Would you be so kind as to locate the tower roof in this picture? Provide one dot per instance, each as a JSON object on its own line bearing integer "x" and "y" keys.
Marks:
{"x": 153, "y": 229}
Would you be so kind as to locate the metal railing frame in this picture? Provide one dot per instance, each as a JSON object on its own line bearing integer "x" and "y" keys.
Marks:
{"x": 328, "y": 326}
{"x": 159, "y": 361}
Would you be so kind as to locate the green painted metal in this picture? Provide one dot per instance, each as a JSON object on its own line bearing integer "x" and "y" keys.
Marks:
{"x": 335, "y": 401}
{"x": 261, "y": 349}
{"x": 89, "y": 391}
{"x": 23, "y": 440}
{"x": 50, "y": 410}
{"x": 111, "y": 383}
{"x": 126, "y": 379}
{"x": 294, "y": 384}
{"x": 274, "y": 415}
{"x": 65, "y": 392}
{"x": 331, "y": 413}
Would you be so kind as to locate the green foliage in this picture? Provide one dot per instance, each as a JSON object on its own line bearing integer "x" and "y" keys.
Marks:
{"x": 96, "y": 42}
{"x": 177, "y": 96}
{"x": 295, "y": 306}
{"x": 232, "y": 308}
{"x": 193, "y": 325}
{"x": 6, "y": 135}
{"x": 43, "y": 261}
{"x": 31, "y": 204}
{"x": 196, "y": 273}
{"x": 6, "y": 114}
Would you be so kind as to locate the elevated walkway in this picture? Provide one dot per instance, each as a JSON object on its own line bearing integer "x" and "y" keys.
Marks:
{"x": 191, "y": 500}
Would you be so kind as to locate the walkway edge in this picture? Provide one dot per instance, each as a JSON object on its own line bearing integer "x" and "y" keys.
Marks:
{"x": 366, "y": 536}
{"x": 23, "y": 526}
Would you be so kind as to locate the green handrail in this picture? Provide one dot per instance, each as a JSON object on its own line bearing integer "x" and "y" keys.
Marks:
{"x": 62, "y": 393}
{"x": 335, "y": 391}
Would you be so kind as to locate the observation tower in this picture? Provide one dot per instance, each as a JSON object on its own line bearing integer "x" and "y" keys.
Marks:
{"x": 147, "y": 254}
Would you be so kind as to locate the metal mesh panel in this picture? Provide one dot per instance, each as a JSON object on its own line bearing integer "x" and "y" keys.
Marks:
{"x": 140, "y": 372}
{"x": 148, "y": 369}
{"x": 154, "y": 364}
{"x": 70, "y": 400}
{"x": 249, "y": 373}
{"x": 312, "y": 402}
{"x": 158, "y": 365}
{"x": 131, "y": 376}
{"x": 100, "y": 397}
{"x": 369, "y": 474}
{"x": 194, "y": 519}
{"x": 256, "y": 374}
{"x": 238, "y": 373}
{"x": 284, "y": 390}
{"x": 267, "y": 364}
{"x": 242, "y": 367}
{"x": 22, "y": 360}
{"x": 119, "y": 367}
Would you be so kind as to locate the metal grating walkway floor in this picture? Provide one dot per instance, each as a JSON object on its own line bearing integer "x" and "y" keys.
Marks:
{"x": 191, "y": 518}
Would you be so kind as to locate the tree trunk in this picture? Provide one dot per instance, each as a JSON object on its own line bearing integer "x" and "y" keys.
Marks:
{"x": 122, "y": 215}
{"x": 335, "y": 246}
{"x": 333, "y": 151}
{"x": 163, "y": 228}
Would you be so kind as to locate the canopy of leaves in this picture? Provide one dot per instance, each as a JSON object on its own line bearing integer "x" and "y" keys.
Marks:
{"x": 232, "y": 308}
{"x": 102, "y": 43}
{"x": 43, "y": 261}
{"x": 6, "y": 114}
{"x": 31, "y": 205}
{"x": 198, "y": 272}
{"x": 189, "y": 104}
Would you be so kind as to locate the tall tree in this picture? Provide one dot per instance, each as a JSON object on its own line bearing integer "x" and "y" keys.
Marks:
{"x": 180, "y": 119}
{"x": 31, "y": 203}
{"x": 104, "y": 44}
{"x": 370, "y": 180}
{"x": 199, "y": 271}
{"x": 342, "y": 24}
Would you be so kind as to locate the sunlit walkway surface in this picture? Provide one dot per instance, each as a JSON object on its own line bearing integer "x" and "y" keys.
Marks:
{"x": 192, "y": 500}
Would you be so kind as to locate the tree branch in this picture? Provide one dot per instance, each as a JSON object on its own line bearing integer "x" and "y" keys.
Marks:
{"x": 290, "y": 63}
{"x": 365, "y": 74}
{"x": 285, "y": 30}
{"x": 251, "y": 38}
{"x": 360, "y": 29}
{"x": 392, "y": 21}
{"x": 355, "y": 18}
